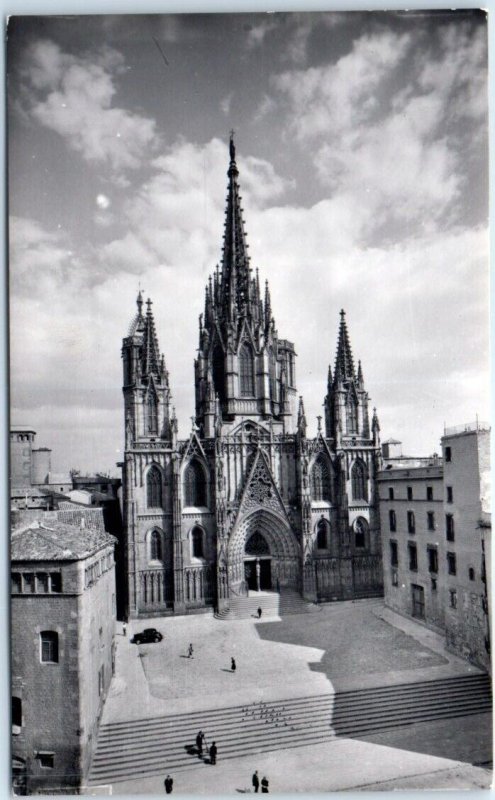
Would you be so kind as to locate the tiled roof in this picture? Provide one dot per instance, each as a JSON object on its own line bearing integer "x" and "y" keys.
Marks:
{"x": 56, "y": 542}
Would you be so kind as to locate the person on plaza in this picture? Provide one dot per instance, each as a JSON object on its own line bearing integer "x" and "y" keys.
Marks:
{"x": 259, "y": 613}
{"x": 256, "y": 781}
{"x": 124, "y": 628}
{"x": 232, "y": 664}
{"x": 264, "y": 785}
{"x": 199, "y": 743}
{"x": 169, "y": 784}
{"x": 190, "y": 651}
{"x": 213, "y": 753}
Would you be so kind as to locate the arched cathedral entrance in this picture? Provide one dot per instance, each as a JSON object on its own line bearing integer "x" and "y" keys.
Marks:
{"x": 264, "y": 554}
{"x": 257, "y": 563}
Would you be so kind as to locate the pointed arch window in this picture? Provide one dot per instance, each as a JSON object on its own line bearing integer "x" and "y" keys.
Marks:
{"x": 352, "y": 416}
{"x": 322, "y": 535}
{"x": 194, "y": 485}
{"x": 320, "y": 480}
{"x": 151, "y": 411}
{"x": 154, "y": 488}
{"x": 219, "y": 372}
{"x": 359, "y": 481}
{"x": 246, "y": 371}
{"x": 273, "y": 375}
{"x": 197, "y": 543}
{"x": 156, "y": 551}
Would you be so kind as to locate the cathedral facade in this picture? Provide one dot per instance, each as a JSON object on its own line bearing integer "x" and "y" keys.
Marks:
{"x": 248, "y": 502}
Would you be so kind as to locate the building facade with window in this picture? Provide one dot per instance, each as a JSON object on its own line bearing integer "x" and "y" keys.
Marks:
{"x": 435, "y": 524}
{"x": 62, "y": 638}
{"x": 411, "y": 517}
{"x": 248, "y": 501}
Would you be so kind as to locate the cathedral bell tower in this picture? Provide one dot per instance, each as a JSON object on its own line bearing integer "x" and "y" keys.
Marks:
{"x": 243, "y": 369}
{"x": 146, "y": 387}
{"x": 346, "y": 403}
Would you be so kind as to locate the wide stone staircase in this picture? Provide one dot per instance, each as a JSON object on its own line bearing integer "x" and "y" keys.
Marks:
{"x": 127, "y": 750}
{"x": 272, "y": 605}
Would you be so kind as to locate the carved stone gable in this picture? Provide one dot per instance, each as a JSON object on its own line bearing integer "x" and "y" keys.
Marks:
{"x": 260, "y": 490}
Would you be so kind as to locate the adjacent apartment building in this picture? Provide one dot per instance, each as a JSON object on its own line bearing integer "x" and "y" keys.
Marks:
{"x": 63, "y": 623}
{"x": 435, "y": 523}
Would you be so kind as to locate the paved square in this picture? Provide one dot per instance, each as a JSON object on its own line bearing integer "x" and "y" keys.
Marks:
{"x": 342, "y": 647}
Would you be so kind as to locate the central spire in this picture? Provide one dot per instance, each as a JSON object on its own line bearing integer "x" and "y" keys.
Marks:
{"x": 344, "y": 364}
{"x": 235, "y": 261}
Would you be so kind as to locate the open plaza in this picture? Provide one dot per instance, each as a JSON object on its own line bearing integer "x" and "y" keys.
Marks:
{"x": 300, "y": 681}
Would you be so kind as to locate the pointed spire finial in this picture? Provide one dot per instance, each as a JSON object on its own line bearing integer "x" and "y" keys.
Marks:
{"x": 232, "y": 145}
{"x": 319, "y": 423}
{"x": 344, "y": 365}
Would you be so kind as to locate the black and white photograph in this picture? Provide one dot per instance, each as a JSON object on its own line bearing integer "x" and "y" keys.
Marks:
{"x": 249, "y": 402}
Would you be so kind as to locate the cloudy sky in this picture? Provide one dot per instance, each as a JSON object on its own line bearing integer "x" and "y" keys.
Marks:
{"x": 362, "y": 149}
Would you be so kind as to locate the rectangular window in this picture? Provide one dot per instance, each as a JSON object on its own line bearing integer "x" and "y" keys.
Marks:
{"x": 395, "y": 578}
{"x": 409, "y": 493}
{"x": 16, "y": 715}
{"x": 433, "y": 584}
{"x": 56, "y": 582}
{"x": 449, "y": 527}
{"x": 413, "y": 557}
{"x": 429, "y": 492}
{"x": 42, "y": 582}
{"x": 16, "y": 582}
{"x": 453, "y": 598}
{"x": 451, "y": 563}
{"x": 411, "y": 523}
{"x": 450, "y": 494}
{"x": 430, "y": 518}
{"x": 392, "y": 520}
{"x": 49, "y": 647}
{"x": 394, "y": 554}
{"x": 390, "y": 493}
{"x": 448, "y": 454}
{"x": 47, "y": 760}
{"x": 432, "y": 559}
{"x": 28, "y": 582}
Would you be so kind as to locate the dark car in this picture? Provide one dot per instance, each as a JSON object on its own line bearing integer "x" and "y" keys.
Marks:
{"x": 148, "y": 635}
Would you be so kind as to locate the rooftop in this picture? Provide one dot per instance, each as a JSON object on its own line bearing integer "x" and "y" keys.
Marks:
{"x": 56, "y": 542}
{"x": 467, "y": 427}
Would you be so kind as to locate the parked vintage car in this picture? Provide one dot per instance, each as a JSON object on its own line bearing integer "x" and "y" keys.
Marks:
{"x": 148, "y": 635}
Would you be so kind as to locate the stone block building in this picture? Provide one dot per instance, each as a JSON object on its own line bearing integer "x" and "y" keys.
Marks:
{"x": 62, "y": 639}
{"x": 466, "y": 475}
{"x": 248, "y": 502}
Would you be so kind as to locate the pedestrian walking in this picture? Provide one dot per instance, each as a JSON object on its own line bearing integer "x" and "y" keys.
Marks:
{"x": 213, "y": 753}
{"x": 190, "y": 651}
{"x": 256, "y": 781}
{"x": 264, "y": 785}
{"x": 232, "y": 664}
{"x": 260, "y": 611}
{"x": 199, "y": 743}
{"x": 169, "y": 784}
{"x": 124, "y": 628}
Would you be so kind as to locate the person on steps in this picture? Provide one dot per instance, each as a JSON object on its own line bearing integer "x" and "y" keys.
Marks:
{"x": 199, "y": 743}
{"x": 256, "y": 781}
{"x": 169, "y": 784}
{"x": 264, "y": 785}
{"x": 213, "y": 753}
{"x": 232, "y": 664}
{"x": 260, "y": 611}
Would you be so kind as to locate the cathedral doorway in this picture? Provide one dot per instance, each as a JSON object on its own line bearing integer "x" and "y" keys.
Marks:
{"x": 263, "y": 554}
{"x": 258, "y": 574}
{"x": 257, "y": 563}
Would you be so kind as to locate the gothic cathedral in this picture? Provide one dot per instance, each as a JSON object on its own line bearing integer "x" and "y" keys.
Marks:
{"x": 248, "y": 502}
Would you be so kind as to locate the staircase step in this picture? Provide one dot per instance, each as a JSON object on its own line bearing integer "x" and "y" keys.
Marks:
{"x": 147, "y": 746}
